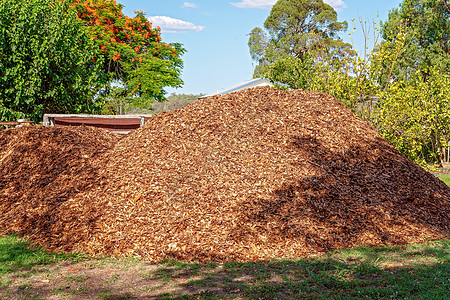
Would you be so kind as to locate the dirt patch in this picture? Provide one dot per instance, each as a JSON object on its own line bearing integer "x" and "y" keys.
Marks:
{"x": 388, "y": 271}
{"x": 245, "y": 176}
{"x": 93, "y": 279}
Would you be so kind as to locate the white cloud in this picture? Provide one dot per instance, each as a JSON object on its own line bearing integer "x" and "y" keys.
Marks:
{"x": 267, "y": 4}
{"x": 189, "y": 5}
{"x": 336, "y": 4}
{"x": 260, "y": 4}
{"x": 171, "y": 25}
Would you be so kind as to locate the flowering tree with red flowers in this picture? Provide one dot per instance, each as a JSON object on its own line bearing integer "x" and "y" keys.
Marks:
{"x": 134, "y": 56}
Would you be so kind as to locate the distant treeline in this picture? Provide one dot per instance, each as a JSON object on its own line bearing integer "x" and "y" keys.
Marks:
{"x": 174, "y": 101}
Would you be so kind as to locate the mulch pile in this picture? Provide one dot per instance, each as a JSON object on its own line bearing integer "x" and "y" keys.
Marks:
{"x": 250, "y": 175}
{"x": 41, "y": 169}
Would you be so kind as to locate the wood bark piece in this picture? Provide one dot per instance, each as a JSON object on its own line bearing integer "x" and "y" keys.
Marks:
{"x": 250, "y": 175}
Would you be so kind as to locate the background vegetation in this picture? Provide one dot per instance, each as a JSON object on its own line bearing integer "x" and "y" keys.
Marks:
{"x": 77, "y": 56}
{"x": 399, "y": 84}
{"x": 72, "y": 56}
{"x": 47, "y": 60}
{"x": 174, "y": 101}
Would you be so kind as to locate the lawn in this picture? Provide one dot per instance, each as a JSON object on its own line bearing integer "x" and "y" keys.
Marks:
{"x": 445, "y": 178}
{"x": 411, "y": 272}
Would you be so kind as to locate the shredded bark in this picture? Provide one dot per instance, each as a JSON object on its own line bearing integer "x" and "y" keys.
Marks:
{"x": 251, "y": 175}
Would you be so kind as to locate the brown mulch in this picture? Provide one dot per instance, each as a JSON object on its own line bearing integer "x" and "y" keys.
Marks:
{"x": 41, "y": 169}
{"x": 250, "y": 175}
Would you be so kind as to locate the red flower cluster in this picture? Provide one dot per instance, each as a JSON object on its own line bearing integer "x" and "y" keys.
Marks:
{"x": 119, "y": 36}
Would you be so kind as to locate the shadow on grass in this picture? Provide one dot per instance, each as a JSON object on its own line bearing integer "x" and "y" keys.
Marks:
{"x": 419, "y": 272}
{"x": 412, "y": 272}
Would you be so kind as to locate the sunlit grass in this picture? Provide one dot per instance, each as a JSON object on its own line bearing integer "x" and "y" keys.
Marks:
{"x": 445, "y": 178}
{"x": 418, "y": 271}
{"x": 16, "y": 254}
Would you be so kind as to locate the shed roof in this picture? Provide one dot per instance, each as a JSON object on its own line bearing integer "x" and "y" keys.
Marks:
{"x": 240, "y": 86}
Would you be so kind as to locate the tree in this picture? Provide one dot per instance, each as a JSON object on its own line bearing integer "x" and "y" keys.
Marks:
{"x": 134, "y": 55}
{"x": 299, "y": 29}
{"x": 47, "y": 60}
{"x": 302, "y": 50}
{"x": 427, "y": 24}
{"x": 414, "y": 110}
{"x": 415, "y": 116}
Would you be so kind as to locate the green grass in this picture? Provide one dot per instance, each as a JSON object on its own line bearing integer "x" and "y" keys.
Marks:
{"x": 419, "y": 271}
{"x": 445, "y": 179}
{"x": 412, "y": 272}
{"x": 17, "y": 255}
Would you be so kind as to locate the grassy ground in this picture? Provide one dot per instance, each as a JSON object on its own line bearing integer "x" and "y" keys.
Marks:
{"x": 445, "y": 178}
{"x": 412, "y": 272}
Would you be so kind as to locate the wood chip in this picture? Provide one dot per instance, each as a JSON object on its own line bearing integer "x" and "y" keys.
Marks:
{"x": 250, "y": 175}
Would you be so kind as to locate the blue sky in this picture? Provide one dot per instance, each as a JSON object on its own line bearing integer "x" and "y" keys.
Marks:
{"x": 214, "y": 33}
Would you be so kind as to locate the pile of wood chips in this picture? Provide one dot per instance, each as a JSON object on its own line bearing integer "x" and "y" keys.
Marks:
{"x": 251, "y": 175}
{"x": 41, "y": 170}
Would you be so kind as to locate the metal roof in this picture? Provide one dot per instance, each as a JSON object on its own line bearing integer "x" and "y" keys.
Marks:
{"x": 240, "y": 86}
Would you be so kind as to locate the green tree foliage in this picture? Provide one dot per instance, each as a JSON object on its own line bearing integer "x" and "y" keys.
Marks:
{"x": 414, "y": 116}
{"x": 351, "y": 81}
{"x": 135, "y": 57}
{"x": 400, "y": 85}
{"x": 47, "y": 61}
{"x": 300, "y": 29}
{"x": 302, "y": 50}
{"x": 414, "y": 112}
{"x": 427, "y": 25}
{"x": 343, "y": 74}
